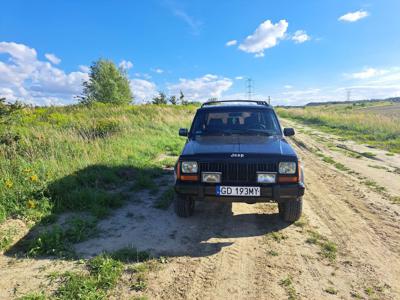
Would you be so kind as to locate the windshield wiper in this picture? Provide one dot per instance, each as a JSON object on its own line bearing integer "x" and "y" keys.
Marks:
{"x": 258, "y": 131}
{"x": 223, "y": 132}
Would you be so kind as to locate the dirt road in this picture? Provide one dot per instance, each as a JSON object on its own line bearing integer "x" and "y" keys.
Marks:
{"x": 258, "y": 257}
{"x": 347, "y": 245}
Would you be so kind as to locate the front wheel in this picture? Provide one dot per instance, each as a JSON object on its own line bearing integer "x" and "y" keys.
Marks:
{"x": 184, "y": 206}
{"x": 290, "y": 210}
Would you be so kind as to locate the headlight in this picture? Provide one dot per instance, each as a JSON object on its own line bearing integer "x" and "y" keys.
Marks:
{"x": 266, "y": 177}
{"x": 287, "y": 167}
{"x": 189, "y": 167}
{"x": 211, "y": 177}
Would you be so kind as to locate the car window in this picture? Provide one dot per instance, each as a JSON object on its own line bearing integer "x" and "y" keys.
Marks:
{"x": 241, "y": 122}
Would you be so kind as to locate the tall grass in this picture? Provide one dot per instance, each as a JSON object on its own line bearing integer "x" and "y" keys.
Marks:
{"x": 58, "y": 158}
{"x": 346, "y": 120}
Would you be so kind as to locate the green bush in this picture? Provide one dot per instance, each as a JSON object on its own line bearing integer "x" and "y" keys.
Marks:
{"x": 79, "y": 286}
{"x": 50, "y": 242}
{"x": 104, "y": 272}
{"x": 57, "y": 240}
{"x": 100, "y": 129}
{"x": 130, "y": 255}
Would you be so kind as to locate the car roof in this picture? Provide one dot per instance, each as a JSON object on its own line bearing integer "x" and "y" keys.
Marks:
{"x": 236, "y": 104}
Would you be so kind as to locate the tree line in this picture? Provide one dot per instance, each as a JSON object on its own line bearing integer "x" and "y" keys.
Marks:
{"x": 109, "y": 84}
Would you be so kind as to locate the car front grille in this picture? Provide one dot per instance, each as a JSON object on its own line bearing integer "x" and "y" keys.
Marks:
{"x": 237, "y": 172}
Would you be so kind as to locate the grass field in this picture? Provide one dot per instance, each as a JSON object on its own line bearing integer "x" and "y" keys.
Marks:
{"x": 73, "y": 158}
{"x": 375, "y": 124}
{"x": 388, "y": 109}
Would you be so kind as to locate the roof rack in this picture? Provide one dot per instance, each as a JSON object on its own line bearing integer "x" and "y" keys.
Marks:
{"x": 259, "y": 102}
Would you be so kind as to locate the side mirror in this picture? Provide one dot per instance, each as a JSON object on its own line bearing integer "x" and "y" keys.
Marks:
{"x": 288, "y": 131}
{"x": 183, "y": 132}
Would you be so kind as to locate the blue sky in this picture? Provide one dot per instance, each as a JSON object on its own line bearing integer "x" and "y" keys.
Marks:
{"x": 294, "y": 51}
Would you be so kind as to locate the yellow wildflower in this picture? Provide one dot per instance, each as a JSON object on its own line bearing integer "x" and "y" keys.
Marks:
{"x": 27, "y": 170}
{"x": 31, "y": 203}
{"x": 9, "y": 184}
{"x": 33, "y": 178}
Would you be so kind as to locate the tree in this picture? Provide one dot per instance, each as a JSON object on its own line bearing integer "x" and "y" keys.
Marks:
{"x": 182, "y": 99}
{"x": 3, "y": 106}
{"x": 161, "y": 98}
{"x": 106, "y": 84}
{"x": 7, "y": 108}
{"x": 173, "y": 100}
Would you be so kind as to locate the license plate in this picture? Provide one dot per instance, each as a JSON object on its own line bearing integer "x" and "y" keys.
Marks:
{"x": 241, "y": 191}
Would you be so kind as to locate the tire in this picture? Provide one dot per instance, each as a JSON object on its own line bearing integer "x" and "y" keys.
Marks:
{"x": 290, "y": 210}
{"x": 184, "y": 206}
{"x": 281, "y": 209}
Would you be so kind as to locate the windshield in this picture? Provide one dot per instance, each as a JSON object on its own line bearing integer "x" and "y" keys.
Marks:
{"x": 233, "y": 121}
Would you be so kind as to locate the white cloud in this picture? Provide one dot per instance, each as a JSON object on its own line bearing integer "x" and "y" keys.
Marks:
{"x": 202, "y": 88}
{"x": 300, "y": 36}
{"x": 158, "y": 70}
{"x": 388, "y": 76}
{"x": 354, "y": 16}
{"x": 84, "y": 68}
{"x": 6, "y": 92}
{"x": 143, "y": 75}
{"x": 366, "y": 73}
{"x": 231, "y": 43}
{"x": 288, "y": 86}
{"x": 304, "y": 92}
{"x": 370, "y": 83}
{"x": 18, "y": 52}
{"x": 369, "y": 73}
{"x": 24, "y": 77}
{"x": 370, "y": 91}
{"x": 267, "y": 35}
{"x": 239, "y": 77}
{"x": 143, "y": 90}
{"x": 304, "y": 96}
{"x": 194, "y": 24}
{"x": 52, "y": 58}
{"x": 125, "y": 64}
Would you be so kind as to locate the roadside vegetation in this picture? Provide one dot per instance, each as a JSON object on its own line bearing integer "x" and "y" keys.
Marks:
{"x": 357, "y": 121}
{"x": 287, "y": 284}
{"x": 74, "y": 158}
{"x": 98, "y": 276}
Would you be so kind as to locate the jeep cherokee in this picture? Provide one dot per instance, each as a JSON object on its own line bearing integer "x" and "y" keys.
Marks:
{"x": 236, "y": 151}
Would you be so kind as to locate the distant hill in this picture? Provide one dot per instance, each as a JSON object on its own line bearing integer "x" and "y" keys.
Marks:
{"x": 393, "y": 99}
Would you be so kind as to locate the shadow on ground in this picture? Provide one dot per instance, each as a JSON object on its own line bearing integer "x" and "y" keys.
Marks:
{"x": 103, "y": 209}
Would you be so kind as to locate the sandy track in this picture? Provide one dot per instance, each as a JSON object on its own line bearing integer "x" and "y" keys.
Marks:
{"x": 363, "y": 224}
{"x": 243, "y": 251}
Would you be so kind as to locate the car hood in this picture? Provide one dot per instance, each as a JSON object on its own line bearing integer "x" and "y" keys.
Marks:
{"x": 238, "y": 144}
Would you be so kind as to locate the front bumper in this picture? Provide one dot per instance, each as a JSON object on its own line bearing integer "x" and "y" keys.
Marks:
{"x": 268, "y": 193}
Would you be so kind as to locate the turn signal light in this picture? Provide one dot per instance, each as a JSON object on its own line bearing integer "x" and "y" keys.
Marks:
{"x": 189, "y": 177}
{"x": 178, "y": 170}
{"x": 288, "y": 179}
